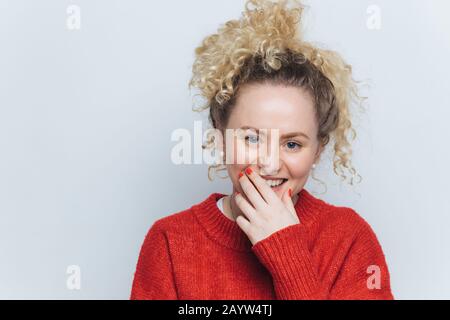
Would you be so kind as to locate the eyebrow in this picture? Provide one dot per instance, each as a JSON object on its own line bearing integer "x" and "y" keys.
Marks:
{"x": 287, "y": 135}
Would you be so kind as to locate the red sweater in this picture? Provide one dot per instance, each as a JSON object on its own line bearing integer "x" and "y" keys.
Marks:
{"x": 199, "y": 253}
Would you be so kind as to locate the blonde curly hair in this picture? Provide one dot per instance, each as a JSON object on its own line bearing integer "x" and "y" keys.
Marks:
{"x": 265, "y": 46}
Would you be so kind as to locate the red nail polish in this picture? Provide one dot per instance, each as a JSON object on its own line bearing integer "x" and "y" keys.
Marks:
{"x": 237, "y": 192}
{"x": 248, "y": 171}
{"x": 290, "y": 192}
{"x": 240, "y": 174}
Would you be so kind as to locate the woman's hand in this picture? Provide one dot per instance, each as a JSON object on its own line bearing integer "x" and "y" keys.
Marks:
{"x": 266, "y": 213}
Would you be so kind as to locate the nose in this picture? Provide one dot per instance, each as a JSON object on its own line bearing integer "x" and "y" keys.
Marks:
{"x": 269, "y": 164}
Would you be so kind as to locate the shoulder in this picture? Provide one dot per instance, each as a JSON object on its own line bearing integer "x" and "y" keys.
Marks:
{"x": 346, "y": 229}
{"x": 345, "y": 220}
{"x": 324, "y": 215}
{"x": 161, "y": 231}
{"x": 178, "y": 222}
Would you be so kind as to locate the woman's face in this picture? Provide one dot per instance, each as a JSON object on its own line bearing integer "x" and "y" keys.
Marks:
{"x": 268, "y": 106}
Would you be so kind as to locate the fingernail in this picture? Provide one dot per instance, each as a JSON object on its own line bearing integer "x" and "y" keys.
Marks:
{"x": 240, "y": 174}
{"x": 237, "y": 192}
{"x": 290, "y": 192}
{"x": 248, "y": 171}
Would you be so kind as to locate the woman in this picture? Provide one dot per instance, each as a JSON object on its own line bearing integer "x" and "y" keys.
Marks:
{"x": 270, "y": 239}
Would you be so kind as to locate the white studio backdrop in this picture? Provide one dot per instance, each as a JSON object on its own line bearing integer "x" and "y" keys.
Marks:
{"x": 86, "y": 117}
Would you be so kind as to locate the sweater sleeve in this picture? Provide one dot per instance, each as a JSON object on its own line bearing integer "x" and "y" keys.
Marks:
{"x": 153, "y": 278}
{"x": 286, "y": 256}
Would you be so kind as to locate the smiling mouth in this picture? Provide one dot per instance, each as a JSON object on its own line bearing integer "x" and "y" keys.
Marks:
{"x": 278, "y": 185}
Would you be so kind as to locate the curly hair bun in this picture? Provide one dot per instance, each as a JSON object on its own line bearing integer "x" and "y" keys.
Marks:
{"x": 265, "y": 29}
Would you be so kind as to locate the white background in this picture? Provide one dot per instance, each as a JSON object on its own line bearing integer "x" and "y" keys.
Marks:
{"x": 86, "y": 118}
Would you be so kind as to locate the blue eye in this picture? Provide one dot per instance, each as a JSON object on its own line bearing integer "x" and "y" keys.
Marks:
{"x": 254, "y": 139}
{"x": 291, "y": 143}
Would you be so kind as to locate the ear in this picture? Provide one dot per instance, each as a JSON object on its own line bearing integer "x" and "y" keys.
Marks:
{"x": 318, "y": 153}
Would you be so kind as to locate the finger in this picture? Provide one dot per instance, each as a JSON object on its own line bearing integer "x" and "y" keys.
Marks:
{"x": 244, "y": 224}
{"x": 287, "y": 200}
{"x": 264, "y": 189}
{"x": 246, "y": 208}
{"x": 251, "y": 192}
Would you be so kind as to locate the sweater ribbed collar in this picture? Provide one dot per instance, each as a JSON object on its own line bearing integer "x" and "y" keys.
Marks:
{"x": 226, "y": 232}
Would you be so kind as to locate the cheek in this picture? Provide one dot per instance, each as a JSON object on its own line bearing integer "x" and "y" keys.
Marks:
{"x": 245, "y": 153}
{"x": 298, "y": 167}
{"x": 241, "y": 156}
{"x": 231, "y": 161}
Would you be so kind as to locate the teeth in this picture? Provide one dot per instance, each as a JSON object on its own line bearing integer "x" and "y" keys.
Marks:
{"x": 274, "y": 183}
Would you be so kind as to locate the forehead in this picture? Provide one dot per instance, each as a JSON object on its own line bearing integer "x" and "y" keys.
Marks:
{"x": 274, "y": 107}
